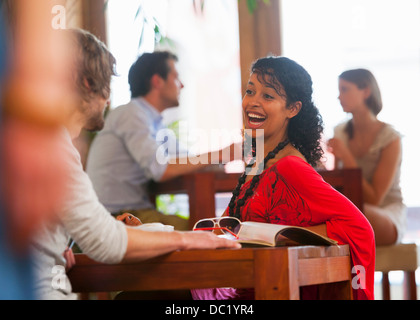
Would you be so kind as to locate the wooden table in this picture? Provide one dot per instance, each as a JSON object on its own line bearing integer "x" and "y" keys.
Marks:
{"x": 202, "y": 187}
{"x": 274, "y": 273}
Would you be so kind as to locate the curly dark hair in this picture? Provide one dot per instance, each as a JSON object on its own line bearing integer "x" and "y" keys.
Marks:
{"x": 289, "y": 78}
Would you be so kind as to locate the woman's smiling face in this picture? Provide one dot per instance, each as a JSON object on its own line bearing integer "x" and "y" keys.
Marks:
{"x": 265, "y": 107}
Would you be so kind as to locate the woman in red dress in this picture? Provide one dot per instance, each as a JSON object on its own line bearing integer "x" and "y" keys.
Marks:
{"x": 284, "y": 188}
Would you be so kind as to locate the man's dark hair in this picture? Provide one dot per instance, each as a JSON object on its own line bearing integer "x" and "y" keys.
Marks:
{"x": 146, "y": 66}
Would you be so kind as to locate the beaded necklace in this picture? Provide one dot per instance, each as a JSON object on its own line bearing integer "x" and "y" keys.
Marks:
{"x": 254, "y": 181}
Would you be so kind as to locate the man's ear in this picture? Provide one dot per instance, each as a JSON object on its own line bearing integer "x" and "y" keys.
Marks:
{"x": 156, "y": 81}
{"x": 86, "y": 84}
{"x": 294, "y": 109}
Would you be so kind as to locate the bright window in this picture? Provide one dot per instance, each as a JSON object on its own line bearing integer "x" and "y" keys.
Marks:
{"x": 207, "y": 44}
{"x": 330, "y": 36}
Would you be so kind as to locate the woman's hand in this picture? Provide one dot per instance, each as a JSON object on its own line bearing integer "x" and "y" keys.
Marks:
{"x": 338, "y": 148}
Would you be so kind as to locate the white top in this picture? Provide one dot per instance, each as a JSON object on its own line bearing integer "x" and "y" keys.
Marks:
{"x": 369, "y": 161}
{"x": 84, "y": 219}
{"x": 393, "y": 203}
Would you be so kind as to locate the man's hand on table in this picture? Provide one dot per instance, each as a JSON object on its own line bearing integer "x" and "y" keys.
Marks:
{"x": 129, "y": 219}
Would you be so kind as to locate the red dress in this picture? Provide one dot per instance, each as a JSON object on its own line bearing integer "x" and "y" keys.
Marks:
{"x": 291, "y": 192}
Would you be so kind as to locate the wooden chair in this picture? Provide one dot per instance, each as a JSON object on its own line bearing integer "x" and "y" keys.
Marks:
{"x": 403, "y": 257}
{"x": 346, "y": 181}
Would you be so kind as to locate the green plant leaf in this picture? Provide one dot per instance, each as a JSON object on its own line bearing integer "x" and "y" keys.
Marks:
{"x": 252, "y": 5}
{"x": 139, "y": 10}
{"x": 141, "y": 36}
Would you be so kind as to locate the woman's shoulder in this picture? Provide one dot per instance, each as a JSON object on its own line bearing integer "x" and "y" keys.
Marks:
{"x": 389, "y": 129}
{"x": 292, "y": 164}
{"x": 295, "y": 170}
{"x": 292, "y": 159}
{"x": 341, "y": 126}
{"x": 387, "y": 135}
{"x": 340, "y": 131}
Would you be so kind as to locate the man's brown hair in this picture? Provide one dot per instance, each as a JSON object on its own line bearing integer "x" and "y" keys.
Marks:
{"x": 95, "y": 65}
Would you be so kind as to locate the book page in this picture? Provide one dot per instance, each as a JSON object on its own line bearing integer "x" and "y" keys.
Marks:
{"x": 277, "y": 235}
{"x": 259, "y": 233}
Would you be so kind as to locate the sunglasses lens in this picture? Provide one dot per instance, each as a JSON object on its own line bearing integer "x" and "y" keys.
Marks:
{"x": 232, "y": 225}
{"x": 204, "y": 224}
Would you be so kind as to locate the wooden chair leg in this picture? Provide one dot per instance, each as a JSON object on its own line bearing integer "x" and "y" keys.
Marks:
{"x": 410, "y": 289}
{"x": 386, "y": 292}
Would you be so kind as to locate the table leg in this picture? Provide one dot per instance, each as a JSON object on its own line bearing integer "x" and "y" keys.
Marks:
{"x": 410, "y": 287}
{"x": 276, "y": 275}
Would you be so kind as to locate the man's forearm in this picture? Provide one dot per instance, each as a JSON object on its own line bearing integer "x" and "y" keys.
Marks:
{"x": 144, "y": 245}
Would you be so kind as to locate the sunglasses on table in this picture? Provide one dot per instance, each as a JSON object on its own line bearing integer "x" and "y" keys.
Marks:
{"x": 228, "y": 225}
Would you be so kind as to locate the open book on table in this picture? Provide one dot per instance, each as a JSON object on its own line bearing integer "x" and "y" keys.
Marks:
{"x": 274, "y": 235}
